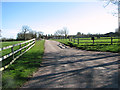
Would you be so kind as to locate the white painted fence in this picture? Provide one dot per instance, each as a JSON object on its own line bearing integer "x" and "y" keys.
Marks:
{"x": 12, "y": 53}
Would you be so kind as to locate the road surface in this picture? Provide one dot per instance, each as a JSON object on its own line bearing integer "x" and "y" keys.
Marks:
{"x": 65, "y": 67}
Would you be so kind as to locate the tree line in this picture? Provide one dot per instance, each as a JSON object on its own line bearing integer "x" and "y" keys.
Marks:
{"x": 27, "y": 33}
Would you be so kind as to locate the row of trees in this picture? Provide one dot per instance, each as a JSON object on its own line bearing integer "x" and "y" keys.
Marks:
{"x": 27, "y": 33}
{"x": 109, "y": 34}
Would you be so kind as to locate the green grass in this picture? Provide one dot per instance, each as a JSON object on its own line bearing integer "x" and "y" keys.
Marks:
{"x": 19, "y": 72}
{"x": 97, "y": 40}
{"x": 106, "y": 47}
{"x": 4, "y": 44}
{"x": 7, "y": 51}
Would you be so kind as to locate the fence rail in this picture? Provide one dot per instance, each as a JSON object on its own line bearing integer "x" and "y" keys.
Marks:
{"x": 110, "y": 40}
{"x": 30, "y": 44}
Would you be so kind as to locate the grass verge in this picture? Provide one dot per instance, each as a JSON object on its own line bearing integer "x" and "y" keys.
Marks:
{"x": 92, "y": 47}
{"x": 20, "y": 71}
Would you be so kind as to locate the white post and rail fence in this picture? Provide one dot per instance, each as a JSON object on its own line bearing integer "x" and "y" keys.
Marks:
{"x": 27, "y": 46}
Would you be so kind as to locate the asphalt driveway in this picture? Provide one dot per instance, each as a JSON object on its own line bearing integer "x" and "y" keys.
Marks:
{"x": 71, "y": 68}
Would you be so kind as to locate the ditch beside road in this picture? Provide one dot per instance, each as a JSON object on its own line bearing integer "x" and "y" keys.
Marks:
{"x": 65, "y": 67}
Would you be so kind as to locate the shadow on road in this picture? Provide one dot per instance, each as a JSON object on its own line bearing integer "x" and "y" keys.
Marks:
{"x": 97, "y": 70}
{"x": 52, "y": 60}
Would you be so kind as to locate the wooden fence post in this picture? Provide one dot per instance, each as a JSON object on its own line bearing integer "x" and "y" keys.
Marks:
{"x": 78, "y": 40}
{"x": 26, "y": 47}
{"x": 111, "y": 40}
{"x": 74, "y": 40}
{"x": 12, "y": 50}
{"x": 19, "y": 48}
{"x": 93, "y": 41}
{"x": 35, "y": 41}
{"x": 93, "y": 38}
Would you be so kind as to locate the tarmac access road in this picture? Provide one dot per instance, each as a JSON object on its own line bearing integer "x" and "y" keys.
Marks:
{"x": 65, "y": 67}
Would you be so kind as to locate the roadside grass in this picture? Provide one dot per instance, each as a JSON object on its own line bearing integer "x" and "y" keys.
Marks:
{"x": 20, "y": 71}
{"x": 105, "y": 47}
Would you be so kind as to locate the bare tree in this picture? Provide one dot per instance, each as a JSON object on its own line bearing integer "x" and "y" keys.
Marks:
{"x": 39, "y": 34}
{"x": 32, "y": 34}
{"x": 115, "y": 2}
{"x": 115, "y": 12}
{"x": 58, "y": 33}
{"x": 65, "y": 31}
{"x": 62, "y": 32}
{"x": 25, "y": 29}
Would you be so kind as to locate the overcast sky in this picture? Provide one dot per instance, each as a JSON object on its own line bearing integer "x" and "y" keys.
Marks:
{"x": 85, "y": 17}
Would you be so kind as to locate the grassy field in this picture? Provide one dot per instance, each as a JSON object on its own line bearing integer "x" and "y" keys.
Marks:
{"x": 7, "y": 51}
{"x": 115, "y": 47}
{"x": 20, "y": 71}
{"x": 4, "y": 44}
{"x": 106, "y": 40}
